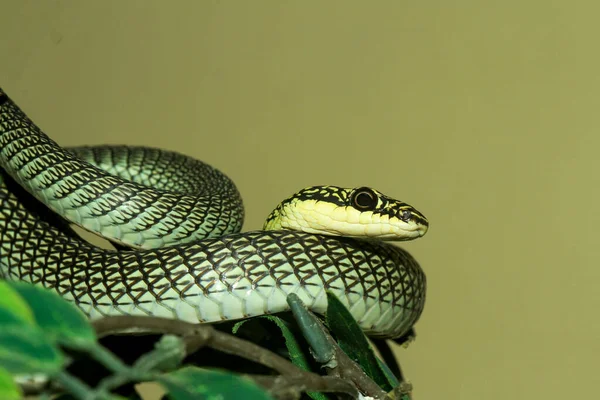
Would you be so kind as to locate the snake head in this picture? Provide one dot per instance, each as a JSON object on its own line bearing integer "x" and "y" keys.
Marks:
{"x": 354, "y": 212}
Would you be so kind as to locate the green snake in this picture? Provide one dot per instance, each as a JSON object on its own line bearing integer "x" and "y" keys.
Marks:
{"x": 176, "y": 223}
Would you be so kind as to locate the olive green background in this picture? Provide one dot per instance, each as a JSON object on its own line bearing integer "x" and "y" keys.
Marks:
{"x": 482, "y": 115}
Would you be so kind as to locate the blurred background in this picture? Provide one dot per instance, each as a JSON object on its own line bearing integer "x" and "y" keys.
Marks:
{"x": 482, "y": 115}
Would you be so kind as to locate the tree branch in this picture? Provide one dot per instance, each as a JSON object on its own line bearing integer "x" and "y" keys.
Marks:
{"x": 286, "y": 387}
{"x": 346, "y": 368}
{"x": 292, "y": 379}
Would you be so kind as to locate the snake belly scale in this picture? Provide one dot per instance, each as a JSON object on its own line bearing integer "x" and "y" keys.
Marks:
{"x": 187, "y": 257}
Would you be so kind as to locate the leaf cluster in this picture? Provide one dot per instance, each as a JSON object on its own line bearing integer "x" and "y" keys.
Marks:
{"x": 49, "y": 348}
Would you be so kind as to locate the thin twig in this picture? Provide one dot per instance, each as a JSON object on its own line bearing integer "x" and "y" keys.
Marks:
{"x": 195, "y": 335}
{"x": 287, "y": 387}
{"x": 76, "y": 387}
{"x": 138, "y": 324}
{"x": 233, "y": 345}
{"x": 352, "y": 371}
{"x": 403, "y": 391}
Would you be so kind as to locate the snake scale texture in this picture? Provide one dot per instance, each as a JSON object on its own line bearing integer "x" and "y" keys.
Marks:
{"x": 182, "y": 220}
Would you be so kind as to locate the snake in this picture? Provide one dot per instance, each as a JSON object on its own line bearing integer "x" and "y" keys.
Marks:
{"x": 179, "y": 248}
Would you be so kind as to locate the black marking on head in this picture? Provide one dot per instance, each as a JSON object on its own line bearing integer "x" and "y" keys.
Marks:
{"x": 3, "y": 97}
{"x": 330, "y": 194}
{"x": 364, "y": 199}
{"x": 358, "y": 198}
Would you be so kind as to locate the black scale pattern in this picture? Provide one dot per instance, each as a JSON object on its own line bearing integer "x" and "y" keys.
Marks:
{"x": 121, "y": 210}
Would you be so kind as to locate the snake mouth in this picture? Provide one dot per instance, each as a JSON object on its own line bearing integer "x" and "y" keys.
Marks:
{"x": 387, "y": 232}
{"x": 411, "y": 235}
{"x": 410, "y": 232}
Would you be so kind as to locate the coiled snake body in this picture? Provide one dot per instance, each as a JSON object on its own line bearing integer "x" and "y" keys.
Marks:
{"x": 182, "y": 220}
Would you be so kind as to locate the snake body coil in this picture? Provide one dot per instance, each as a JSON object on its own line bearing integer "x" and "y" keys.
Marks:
{"x": 182, "y": 219}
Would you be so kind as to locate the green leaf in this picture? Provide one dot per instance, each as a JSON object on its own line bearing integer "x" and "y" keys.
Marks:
{"x": 388, "y": 373}
{"x": 27, "y": 351}
{"x": 13, "y": 309}
{"x": 8, "y": 388}
{"x": 61, "y": 321}
{"x": 353, "y": 341}
{"x": 191, "y": 383}
{"x": 295, "y": 351}
{"x": 297, "y": 356}
{"x": 24, "y": 347}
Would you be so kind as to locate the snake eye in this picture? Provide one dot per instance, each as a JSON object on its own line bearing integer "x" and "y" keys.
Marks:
{"x": 364, "y": 199}
{"x": 406, "y": 215}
